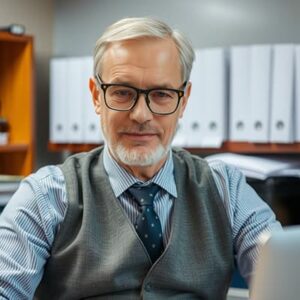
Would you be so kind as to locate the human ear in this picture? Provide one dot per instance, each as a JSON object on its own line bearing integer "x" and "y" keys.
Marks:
{"x": 95, "y": 96}
{"x": 185, "y": 99}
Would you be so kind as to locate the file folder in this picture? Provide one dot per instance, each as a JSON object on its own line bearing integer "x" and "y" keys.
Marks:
{"x": 297, "y": 96}
{"x": 74, "y": 100}
{"x": 58, "y": 100}
{"x": 214, "y": 102}
{"x": 239, "y": 106}
{"x": 282, "y": 116}
{"x": 193, "y": 126}
{"x": 206, "y": 111}
{"x": 91, "y": 121}
{"x": 180, "y": 137}
{"x": 260, "y": 93}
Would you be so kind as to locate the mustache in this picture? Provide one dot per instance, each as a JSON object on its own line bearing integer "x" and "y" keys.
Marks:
{"x": 140, "y": 129}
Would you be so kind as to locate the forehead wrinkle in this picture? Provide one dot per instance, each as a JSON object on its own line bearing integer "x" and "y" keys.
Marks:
{"x": 139, "y": 68}
{"x": 139, "y": 77}
{"x": 142, "y": 81}
{"x": 120, "y": 74}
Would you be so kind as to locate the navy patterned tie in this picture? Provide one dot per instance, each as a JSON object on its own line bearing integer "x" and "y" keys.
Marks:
{"x": 147, "y": 224}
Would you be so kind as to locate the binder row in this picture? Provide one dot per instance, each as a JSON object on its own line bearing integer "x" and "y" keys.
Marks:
{"x": 72, "y": 116}
{"x": 242, "y": 93}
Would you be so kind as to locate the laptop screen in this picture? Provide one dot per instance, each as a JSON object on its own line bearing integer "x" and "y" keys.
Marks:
{"x": 277, "y": 273}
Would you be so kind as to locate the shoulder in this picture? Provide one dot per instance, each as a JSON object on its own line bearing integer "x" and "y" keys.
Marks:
{"x": 47, "y": 178}
{"x": 184, "y": 156}
{"x": 189, "y": 165}
{"x": 224, "y": 171}
{"x": 220, "y": 170}
{"x": 46, "y": 187}
{"x": 82, "y": 157}
{"x": 39, "y": 204}
{"x": 229, "y": 181}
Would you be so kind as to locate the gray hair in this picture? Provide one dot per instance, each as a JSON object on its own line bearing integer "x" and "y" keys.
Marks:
{"x": 132, "y": 28}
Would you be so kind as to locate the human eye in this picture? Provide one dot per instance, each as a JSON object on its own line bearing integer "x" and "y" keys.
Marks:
{"x": 121, "y": 93}
{"x": 162, "y": 95}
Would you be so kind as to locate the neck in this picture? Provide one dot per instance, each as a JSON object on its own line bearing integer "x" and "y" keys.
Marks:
{"x": 143, "y": 173}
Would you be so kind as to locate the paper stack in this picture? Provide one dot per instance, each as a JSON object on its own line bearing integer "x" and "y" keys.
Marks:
{"x": 260, "y": 167}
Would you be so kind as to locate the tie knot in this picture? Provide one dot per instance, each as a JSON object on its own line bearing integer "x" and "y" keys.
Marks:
{"x": 144, "y": 195}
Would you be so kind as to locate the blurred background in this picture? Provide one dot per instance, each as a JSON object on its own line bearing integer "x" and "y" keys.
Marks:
{"x": 71, "y": 27}
{"x": 66, "y": 28}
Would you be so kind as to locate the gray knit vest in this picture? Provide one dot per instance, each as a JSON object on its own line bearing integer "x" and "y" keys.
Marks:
{"x": 97, "y": 253}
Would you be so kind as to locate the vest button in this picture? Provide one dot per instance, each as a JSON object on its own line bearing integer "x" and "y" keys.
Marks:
{"x": 148, "y": 287}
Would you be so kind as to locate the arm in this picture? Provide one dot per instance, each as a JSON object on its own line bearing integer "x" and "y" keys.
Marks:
{"x": 27, "y": 229}
{"x": 250, "y": 217}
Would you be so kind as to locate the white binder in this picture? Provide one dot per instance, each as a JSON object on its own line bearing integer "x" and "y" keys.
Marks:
{"x": 214, "y": 103}
{"x": 239, "y": 106}
{"x": 206, "y": 111}
{"x": 297, "y": 96}
{"x": 74, "y": 100}
{"x": 260, "y": 97}
{"x": 58, "y": 100}
{"x": 91, "y": 121}
{"x": 194, "y": 113}
{"x": 282, "y": 95}
{"x": 180, "y": 137}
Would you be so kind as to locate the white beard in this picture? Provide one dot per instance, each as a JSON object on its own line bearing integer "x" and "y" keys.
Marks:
{"x": 132, "y": 157}
{"x": 136, "y": 158}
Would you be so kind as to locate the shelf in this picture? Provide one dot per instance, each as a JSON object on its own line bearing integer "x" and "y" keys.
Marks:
{"x": 13, "y": 148}
{"x": 71, "y": 147}
{"x": 234, "y": 147}
{"x": 17, "y": 101}
{"x": 252, "y": 148}
{"x": 8, "y": 37}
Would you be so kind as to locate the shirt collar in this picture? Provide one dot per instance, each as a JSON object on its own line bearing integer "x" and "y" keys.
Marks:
{"x": 121, "y": 180}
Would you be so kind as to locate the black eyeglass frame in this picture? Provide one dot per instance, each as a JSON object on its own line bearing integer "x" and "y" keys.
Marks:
{"x": 105, "y": 86}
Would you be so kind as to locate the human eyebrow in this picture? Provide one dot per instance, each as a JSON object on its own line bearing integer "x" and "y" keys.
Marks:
{"x": 122, "y": 81}
{"x": 125, "y": 82}
{"x": 162, "y": 86}
{"x": 168, "y": 87}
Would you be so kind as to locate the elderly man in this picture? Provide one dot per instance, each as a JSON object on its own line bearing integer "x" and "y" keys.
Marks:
{"x": 133, "y": 219}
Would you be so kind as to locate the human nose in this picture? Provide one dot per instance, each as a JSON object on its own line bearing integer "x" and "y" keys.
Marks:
{"x": 141, "y": 112}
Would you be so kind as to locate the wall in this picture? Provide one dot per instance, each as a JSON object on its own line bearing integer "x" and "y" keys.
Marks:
{"x": 71, "y": 27}
{"x": 37, "y": 16}
{"x": 78, "y": 23}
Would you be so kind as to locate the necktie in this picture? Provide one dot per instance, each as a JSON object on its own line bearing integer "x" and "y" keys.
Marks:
{"x": 147, "y": 224}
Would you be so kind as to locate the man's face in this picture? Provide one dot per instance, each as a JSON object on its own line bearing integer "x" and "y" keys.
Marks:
{"x": 138, "y": 137}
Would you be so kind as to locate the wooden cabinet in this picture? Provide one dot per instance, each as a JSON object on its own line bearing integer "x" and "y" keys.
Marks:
{"x": 17, "y": 103}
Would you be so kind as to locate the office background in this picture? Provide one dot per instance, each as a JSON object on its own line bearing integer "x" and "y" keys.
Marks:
{"x": 71, "y": 27}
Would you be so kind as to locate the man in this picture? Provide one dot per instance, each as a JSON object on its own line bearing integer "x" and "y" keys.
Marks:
{"x": 134, "y": 219}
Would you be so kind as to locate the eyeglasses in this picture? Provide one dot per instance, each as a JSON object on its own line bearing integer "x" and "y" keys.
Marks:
{"x": 122, "y": 97}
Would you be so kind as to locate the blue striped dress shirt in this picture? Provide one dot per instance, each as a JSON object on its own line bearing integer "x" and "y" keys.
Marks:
{"x": 31, "y": 219}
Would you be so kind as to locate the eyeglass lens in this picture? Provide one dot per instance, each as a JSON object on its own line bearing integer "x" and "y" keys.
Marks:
{"x": 123, "y": 98}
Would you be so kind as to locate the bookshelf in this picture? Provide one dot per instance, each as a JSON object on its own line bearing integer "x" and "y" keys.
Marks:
{"x": 234, "y": 147}
{"x": 17, "y": 103}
